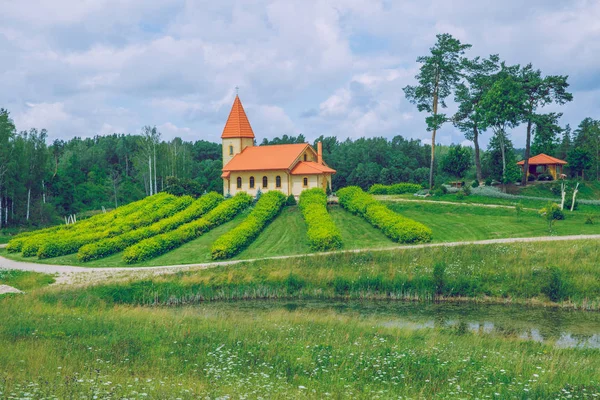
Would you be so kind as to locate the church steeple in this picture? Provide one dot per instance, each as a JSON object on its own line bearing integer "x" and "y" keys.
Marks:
{"x": 237, "y": 134}
{"x": 237, "y": 125}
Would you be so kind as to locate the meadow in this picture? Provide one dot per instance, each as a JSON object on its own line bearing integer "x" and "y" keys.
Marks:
{"x": 97, "y": 350}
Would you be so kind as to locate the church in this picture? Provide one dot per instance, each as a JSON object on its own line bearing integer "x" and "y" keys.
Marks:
{"x": 289, "y": 168}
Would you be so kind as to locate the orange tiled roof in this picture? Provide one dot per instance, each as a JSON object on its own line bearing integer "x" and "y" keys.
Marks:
{"x": 237, "y": 125}
{"x": 542, "y": 159}
{"x": 311, "y": 168}
{"x": 253, "y": 158}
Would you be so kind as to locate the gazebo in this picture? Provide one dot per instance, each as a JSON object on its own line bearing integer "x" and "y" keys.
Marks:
{"x": 544, "y": 164}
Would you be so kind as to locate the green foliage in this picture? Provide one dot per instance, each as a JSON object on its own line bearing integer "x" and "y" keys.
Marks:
{"x": 108, "y": 246}
{"x": 163, "y": 243}
{"x": 545, "y": 177}
{"x": 181, "y": 187}
{"x": 24, "y": 280}
{"x": 322, "y": 232}
{"x": 439, "y": 279}
{"x": 457, "y": 160}
{"x": 234, "y": 241}
{"x": 291, "y": 200}
{"x": 167, "y": 206}
{"x": 551, "y": 213}
{"x": 397, "y": 188}
{"x": 466, "y": 189}
{"x": 557, "y": 286}
{"x": 460, "y": 195}
{"x": 475, "y": 184}
{"x": 589, "y": 219}
{"x": 393, "y": 225}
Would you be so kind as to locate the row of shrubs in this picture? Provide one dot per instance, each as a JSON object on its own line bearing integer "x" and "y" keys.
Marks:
{"x": 67, "y": 243}
{"x": 398, "y": 188}
{"x": 322, "y": 232}
{"x": 163, "y": 243}
{"x": 234, "y": 241}
{"x": 393, "y": 225}
{"x": 93, "y": 223}
{"x": 112, "y": 245}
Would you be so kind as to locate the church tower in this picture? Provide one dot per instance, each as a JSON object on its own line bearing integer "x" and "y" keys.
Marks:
{"x": 237, "y": 134}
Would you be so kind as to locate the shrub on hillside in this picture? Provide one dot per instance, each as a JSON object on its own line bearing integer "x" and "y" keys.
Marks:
{"x": 71, "y": 243}
{"x": 163, "y": 243}
{"x": 398, "y": 188}
{"x": 393, "y": 225}
{"x": 231, "y": 243}
{"x": 291, "y": 200}
{"x": 322, "y": 232}
{"x": 108, "y": 246}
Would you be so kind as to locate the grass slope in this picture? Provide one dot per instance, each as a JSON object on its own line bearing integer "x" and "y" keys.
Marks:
{"x": 286, "y": 235}
{"x": 212, "y": 352}
{"x": 24, "y": 280}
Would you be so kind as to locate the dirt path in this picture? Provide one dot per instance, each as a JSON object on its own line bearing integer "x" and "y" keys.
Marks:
{"x": 75, "y": 275}
{"x": 401, "y": 200}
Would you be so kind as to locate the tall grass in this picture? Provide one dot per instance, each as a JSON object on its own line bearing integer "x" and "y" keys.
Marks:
{"x": 531, "y": 272}
{"x": 97, "y": 351}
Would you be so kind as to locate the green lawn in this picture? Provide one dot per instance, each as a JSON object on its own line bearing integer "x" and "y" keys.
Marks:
{"x": 587, "y": 190}
{"x": 24, "y": 280}
{"x": 456, "y": 223}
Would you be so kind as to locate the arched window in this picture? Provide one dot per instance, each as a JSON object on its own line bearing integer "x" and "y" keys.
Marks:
{"x": 265, "y": 182}
{"x": 230, "y": 150}
{"x": 278, "y": 181}
{"x": 251, "y": 182}
{"x": 305, "y": 157}
{"x": 239, "y": 182}
{"x": 305, "y": 182}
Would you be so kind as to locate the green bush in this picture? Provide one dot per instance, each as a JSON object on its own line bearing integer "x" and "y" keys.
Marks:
{"x": 291, "y": 200}
{"x": 108, "y": 246}
{"x": 460, "y": 195}
{"x": 322, "y": 232}
{"x": 163, "y": 243}
{"x": 475, "y": 184}
{"x": 71, "y": 243}
{"x": 466, "y": 190}
{"x": 398, "y": 188}
{"x": 545, "y": 177}
{"x": 589, "y": 219}
{"x": 234, "y": 241}
{"x": 393, "y": 225}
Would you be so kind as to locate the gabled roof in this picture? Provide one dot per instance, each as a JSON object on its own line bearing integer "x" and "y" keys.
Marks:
{"x": 311, "y": 168}
{"x": 542, "y": 159}
{"x": 275, "y": 157}
{"x": 237, "y": 125}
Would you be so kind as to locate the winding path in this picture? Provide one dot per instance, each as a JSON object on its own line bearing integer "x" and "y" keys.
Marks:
{"x": 71, "y": 274}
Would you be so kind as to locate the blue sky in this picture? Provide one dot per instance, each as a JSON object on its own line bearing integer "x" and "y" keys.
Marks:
{"x": 336, "y": 67}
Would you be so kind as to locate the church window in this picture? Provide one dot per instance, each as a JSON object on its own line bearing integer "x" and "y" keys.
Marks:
{"x": 278, "y": 181}
{"x": 305, "y": 182}
{"x": 265, "y": 182}
{"x": 251, "y": 182}
{"x": 230, "y": 150}
{"x": 239, "y": 182}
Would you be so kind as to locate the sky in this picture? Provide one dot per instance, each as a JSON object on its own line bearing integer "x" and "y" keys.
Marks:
{"x": 335, "y": 67}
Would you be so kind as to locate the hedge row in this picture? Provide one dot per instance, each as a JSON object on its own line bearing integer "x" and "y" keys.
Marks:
{"x": 322, "y": 232}
{"x": 398, "y": 188}
{"x": 92, "y": 223}
{"x": 163, "y": 243}
{"x": 108, "y": 246}
{"x": 60, "y": 245}
{"x": 265, "y": 210}
{"x": 393, "y": 225}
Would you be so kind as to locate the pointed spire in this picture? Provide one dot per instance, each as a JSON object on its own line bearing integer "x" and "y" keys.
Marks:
{"x": 237, "y": 125}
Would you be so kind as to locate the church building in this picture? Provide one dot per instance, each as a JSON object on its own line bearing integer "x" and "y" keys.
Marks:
{"x": 289, "y": 168}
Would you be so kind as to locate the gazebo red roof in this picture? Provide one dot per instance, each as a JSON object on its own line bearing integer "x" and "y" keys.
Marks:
{"x": 543, "y": 159}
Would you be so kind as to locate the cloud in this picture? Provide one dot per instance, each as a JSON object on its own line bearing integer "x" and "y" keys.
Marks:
{"x": 333, "y": 67}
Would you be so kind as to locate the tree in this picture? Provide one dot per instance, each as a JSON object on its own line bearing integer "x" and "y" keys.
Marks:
{"x": 438, "y": 76}
{"x": 565, "y": 144}
{"x": 7, "y": 133}
{"x": 546, "y": 132}
{"x": 478, "y": 80}
{"x": 579, "y": 160}
{"x": 538, "y": 92}
{"x": 587, "y": 137}
{"x": 457, "y": 161}
{"x": 501, "y": 109}
{"x": 493, "y": 164}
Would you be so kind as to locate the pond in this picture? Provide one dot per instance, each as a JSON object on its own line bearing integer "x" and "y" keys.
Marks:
{"x": 559, "y": 327}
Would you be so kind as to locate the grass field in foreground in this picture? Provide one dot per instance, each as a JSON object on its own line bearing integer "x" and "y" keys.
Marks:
{"x": 286, "y": 235}
{"x": 24, "y": 280}
{"x": 53, "y": 350}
